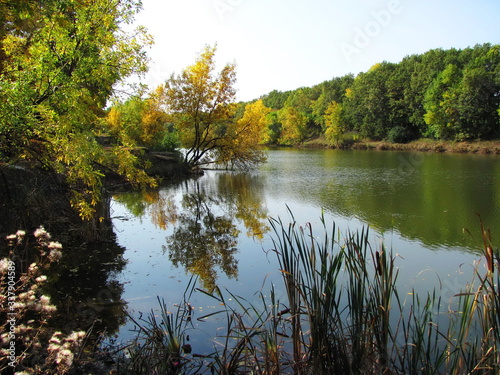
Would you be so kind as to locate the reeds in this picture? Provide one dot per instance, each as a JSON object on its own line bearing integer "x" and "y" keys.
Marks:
{"x": 342, "y": 314}
{"x": 159, "y": 346}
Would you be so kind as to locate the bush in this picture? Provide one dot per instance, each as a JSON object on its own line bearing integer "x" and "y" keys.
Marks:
{"x": 400, "y": 134}
{"x": 170, "y": 142}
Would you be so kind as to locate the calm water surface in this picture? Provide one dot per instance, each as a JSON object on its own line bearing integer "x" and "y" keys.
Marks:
{"x": 216, "y": 226}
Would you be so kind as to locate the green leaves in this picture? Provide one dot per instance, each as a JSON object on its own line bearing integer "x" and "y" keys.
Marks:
{"x": 61, "y": 60}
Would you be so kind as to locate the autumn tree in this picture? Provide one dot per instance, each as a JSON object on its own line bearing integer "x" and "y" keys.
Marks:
{"x": 239, "y": 147}
{"x": 334, "y": 123}
{"x": 59, "y": 63}
{"x": 139, "y": 121}
{"x": 202, "y": 108}
{"x": 294, "y": 126}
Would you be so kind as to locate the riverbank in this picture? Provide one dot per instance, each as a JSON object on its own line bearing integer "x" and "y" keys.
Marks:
{"x": 423, "y": 145}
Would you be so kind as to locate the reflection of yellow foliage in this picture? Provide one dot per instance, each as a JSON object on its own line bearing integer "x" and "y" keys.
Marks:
{"x": 245, "y": 202}
{"x": 162, "y": 208}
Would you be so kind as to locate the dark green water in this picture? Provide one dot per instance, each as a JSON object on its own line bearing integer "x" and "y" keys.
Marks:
{"x": 217, "y": 226}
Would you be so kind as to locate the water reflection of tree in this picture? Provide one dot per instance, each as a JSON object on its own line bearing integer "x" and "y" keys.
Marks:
{"x": 243, "y": 196}
{"x": 155, "y": 203}
{"x": 206, "y": 220}
{"x": 204, "y": 240}
{"x": 206, "y": 234}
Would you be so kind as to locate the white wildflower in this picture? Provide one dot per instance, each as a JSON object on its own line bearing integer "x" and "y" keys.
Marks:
{"x": 65, "y": 356}
{"x": 11, "y": 237}
{"x": 41, "y": 279}
{"x": 73, "y": 337}
{"x": 53, "y": 347}
{"x": 4, "y": 265}
{"x": 20, "y": 233}
{"x": 55, "y": 255}
{"x": 18, "y": 305}
{"x": 45, "y": 300}
{"x": 41, "y": 233}
{"x": 23, "y": 295}
{"x": 55, "y": 340}
{"x": 55, "y": 245}
{"x": 33, "y": 267}
{"x": 49, "y": 308}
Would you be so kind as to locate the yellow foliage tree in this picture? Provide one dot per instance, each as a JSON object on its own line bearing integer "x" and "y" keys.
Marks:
{"x": 201, "y": 105}
{"x": 243, "y": 136}
{"x": 138, "y": 121}
{"x": 294, "y": 126}
{"x": 202, "y": 108}
{"x": 334, "y": 123}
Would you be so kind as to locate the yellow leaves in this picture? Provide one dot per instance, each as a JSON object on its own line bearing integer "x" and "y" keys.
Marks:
{"x": 334, "y": 123}
{"x": 249, "y": 129}
{"x": 11, "y": 44}
{"x": 375, "y": 67}
{"x": 244, "y": 135}
{"x": 294, "y": 125}
{"x": 114, "y": 119}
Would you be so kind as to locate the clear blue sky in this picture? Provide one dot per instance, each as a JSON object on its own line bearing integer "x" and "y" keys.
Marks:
{"x": 284, "y": 45}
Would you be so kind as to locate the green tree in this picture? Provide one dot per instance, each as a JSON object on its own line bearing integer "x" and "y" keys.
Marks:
{"x": 59, "y": 64}
{"x": 331, "y": 91}
{"x": 440, "y": 103}
{"x": 367, "y": 102}
{"x": 275, "y": 99}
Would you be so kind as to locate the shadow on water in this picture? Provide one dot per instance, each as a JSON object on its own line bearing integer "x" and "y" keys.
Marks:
{"x": 83, "y": 284}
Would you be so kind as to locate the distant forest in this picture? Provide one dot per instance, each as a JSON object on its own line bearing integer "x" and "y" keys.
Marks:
{"x": 442, "y": 94}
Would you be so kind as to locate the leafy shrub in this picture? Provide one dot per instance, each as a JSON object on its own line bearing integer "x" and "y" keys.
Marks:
{"x": 170, "y": 142}
{"x": 400, "y": 134}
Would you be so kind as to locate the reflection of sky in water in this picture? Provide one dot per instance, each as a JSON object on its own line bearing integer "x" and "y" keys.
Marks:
{"x": 149, "y": 273}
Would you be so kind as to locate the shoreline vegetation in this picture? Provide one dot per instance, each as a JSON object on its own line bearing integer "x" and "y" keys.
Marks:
{"x": 342, "y": 313}
{"x": 422, "y": 145}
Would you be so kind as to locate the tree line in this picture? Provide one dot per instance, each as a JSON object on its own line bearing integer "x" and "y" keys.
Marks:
{"x": 443, "y": 94}
{"x": 61, "y": 62}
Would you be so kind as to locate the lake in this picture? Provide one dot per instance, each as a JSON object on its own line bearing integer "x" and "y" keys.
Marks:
{"x": 216, "y": 226}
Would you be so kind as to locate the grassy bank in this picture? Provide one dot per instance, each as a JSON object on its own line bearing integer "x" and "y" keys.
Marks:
{"x": 424, "y": 145}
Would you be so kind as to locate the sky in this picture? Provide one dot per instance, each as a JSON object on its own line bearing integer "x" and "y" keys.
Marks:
{"x": 283, "y": 45}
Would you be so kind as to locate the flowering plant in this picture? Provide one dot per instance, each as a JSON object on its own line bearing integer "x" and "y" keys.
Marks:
{"x": 27, "y": 344}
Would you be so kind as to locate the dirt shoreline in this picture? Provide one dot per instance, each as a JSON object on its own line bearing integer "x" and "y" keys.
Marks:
{"x": 421, "y": 145}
